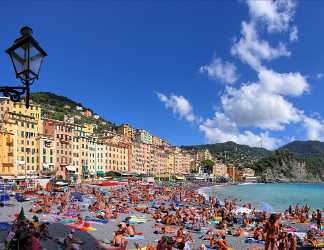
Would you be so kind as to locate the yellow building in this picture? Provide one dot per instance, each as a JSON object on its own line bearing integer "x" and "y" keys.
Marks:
{"x": 157, "y": 141}
{"x": 117, "y": 157}
{"x": 88, "y": 128}
{"x": 26, "y": 126}
{"x": 220, "y": 169}
{"x": 126, "y": 131}
{"x": 6, "y": 154}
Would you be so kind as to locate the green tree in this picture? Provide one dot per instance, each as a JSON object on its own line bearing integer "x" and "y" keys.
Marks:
{"x": 207, "y": 166}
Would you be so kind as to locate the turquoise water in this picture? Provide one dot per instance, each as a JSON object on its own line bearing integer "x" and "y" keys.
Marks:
{"x": 279, "y": 196}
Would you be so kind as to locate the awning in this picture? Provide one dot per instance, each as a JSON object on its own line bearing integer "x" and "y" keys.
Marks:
{"x": 70, "y": 168}
{"x": 100, "y": 173}
{"x": 180, "y": 178}
{"x": 21, "y": 177}
{"x": 8, "y": 177}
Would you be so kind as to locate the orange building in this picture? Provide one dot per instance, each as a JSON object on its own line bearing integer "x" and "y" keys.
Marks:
{"x": 6, "y": 154}
{"x": 62, "y": 133}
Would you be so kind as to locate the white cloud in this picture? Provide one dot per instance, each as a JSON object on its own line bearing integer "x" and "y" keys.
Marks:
{"x": 223, "y": 71}
{"x": 293, "y": 36}
{"x": 251, "y": 50}
{"x": 179, "y": 106}
{"x": 276, "y": 14}
{"x": 314, "y": 128}
{"x": 261, "y": 104}
{"x": 290, "y": 84}
{"x": 251, "y": 106}
{"x": 222, "y": 129}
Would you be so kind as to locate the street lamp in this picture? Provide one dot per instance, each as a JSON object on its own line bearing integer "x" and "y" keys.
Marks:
{"x": 27, "y": 57}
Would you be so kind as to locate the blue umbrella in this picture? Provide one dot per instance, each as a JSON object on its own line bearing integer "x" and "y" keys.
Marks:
{"x": 266, "y": 207}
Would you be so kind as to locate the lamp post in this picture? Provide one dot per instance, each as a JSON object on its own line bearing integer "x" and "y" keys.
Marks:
{"x": 27, "y": 57}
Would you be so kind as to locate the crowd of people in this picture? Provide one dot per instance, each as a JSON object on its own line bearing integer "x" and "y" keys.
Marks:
{"x": 183, "y": 219}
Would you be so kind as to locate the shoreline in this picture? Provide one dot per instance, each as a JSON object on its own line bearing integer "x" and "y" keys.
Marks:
{"x": 222, "y": 195}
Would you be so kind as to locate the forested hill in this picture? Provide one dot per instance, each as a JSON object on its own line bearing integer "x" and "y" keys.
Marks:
{"x": 301, "y": 161}
{"x": 56, "y": 107}
{"x": 231, "y": 152}
{"x": 305, "y": 147}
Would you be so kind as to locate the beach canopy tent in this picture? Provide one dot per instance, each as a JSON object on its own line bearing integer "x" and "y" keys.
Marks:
{"x": 70, "y": 168}
{"x": 101, "y": 173}
{"x": 7, "y": 177}
{"x": 113, "y": 174}
{"x": 61, "y": 183}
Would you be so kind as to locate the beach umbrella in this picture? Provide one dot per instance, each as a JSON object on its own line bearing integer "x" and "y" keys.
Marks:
{"x": 266, "y": 207}
{"x": 21, "y": 216}
{"x": 241, "y": 210}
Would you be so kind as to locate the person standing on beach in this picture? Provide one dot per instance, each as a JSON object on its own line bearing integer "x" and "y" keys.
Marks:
{"x": 318, "y": 219}
{"x": 271, "y": 230}
{"x": 292, "y": 242}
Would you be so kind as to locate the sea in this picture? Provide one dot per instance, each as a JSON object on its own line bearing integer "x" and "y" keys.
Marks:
{"x": 279, "y": 196}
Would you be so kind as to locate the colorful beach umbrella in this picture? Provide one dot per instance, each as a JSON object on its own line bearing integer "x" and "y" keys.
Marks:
{"x": 21, "y": 216}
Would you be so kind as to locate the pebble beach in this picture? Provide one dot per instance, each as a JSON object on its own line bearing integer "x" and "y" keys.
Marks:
{"x": 102, "y": 234}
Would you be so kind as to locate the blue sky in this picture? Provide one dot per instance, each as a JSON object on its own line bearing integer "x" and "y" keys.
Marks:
{"x": 184, "y": 70}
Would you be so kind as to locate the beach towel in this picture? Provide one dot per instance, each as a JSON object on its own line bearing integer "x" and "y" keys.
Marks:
{"x": 289, "y": 229}
{"x": 252, "y": 241}
{"x": 135, "y": 237}
{"x": 81, "y": 227}
{"x": 214, "y": 222}
{"x": 95, "y": 220}
{"x": 67, "y": 220}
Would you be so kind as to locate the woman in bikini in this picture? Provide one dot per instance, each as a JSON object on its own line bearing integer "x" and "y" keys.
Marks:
{"x": 271, "y": 230}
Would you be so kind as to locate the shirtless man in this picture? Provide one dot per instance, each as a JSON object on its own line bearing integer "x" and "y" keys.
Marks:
{"x": 292, "y": 242}
{"x": 130, "y": 230}
{"x": 118, "y": 239}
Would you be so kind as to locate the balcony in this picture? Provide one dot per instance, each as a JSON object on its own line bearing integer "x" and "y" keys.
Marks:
{"x": 64, "y": 141}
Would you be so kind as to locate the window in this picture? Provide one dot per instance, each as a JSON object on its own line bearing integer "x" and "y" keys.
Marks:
{"x": 44, "y": 159}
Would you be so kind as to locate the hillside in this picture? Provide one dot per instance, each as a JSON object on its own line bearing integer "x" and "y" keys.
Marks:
{"x": 232, "y": 153}
{"x": 305, "y": 147}
{"x": 56, "y": 107}
{"x": 298, "y": 161}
